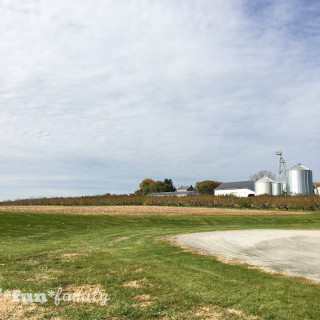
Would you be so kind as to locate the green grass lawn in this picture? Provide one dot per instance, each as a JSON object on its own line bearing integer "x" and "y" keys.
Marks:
{"x": 144, "y": 277}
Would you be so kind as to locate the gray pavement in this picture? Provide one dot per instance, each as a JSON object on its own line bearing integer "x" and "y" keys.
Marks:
{"x": 292, "y": 252}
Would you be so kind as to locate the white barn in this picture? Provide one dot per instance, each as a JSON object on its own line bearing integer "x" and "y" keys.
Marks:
{"x": 238, "y": 189}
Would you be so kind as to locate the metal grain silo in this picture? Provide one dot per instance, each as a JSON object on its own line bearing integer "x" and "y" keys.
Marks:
{"x": 277, "y": 188}
{"x": 299, "y": 180}
{"x": 263, "y": 186}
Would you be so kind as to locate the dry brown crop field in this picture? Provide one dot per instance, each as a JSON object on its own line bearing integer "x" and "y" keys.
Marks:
{"x": 309, "y": 203}
{"x": 145, "y": 210}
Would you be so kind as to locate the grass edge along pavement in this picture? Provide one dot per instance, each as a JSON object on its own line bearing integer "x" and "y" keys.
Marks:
{"x": 41, "y": 251}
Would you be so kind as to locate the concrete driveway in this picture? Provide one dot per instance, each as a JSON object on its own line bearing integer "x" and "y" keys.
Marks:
{"x": 292, "y": 252}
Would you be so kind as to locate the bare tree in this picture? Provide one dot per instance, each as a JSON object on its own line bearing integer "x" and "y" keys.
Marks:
{"x": 261, "y": 174}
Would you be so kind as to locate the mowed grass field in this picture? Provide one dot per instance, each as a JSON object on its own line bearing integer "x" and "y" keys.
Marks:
{"x": 144, "y": 276}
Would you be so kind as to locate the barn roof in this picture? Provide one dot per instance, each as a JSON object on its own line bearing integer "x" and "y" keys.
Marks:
{"x": 236, "y": 185}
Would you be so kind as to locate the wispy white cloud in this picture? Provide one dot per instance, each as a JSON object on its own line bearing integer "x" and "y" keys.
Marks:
{"x": 109, "y": 92}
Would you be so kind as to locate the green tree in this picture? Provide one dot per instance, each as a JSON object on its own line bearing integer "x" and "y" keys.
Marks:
{"x": 149, "y": 185}
{"x": 207, "y": 186}
{"x": 159, "y": 186}
{"x": 146, "y": 182}
{"x": 146, "y": 186}
{"x": 170, "y": 187}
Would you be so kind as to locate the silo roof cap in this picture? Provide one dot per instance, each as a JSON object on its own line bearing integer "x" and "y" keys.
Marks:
{"x": 265, "y": 179}
{"x": 300, "y": 167}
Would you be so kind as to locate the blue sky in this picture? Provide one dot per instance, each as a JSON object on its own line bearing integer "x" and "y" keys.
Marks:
{"x": 95, "y": 96}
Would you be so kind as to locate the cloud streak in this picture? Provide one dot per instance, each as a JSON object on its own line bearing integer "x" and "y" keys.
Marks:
{"x": 108, "y": 93}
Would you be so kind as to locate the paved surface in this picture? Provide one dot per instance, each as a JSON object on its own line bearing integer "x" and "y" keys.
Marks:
{"x": 293, "y": 252}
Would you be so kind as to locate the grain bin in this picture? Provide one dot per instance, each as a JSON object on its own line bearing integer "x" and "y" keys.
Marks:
{"x": 263, "y": 186}
{"x": 277, "y": 188}
{"x": 299, "y": 180}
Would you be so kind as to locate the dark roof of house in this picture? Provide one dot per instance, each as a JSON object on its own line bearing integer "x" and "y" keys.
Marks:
{"x": 185, "y": 188}
{"x": 236, "y": 185}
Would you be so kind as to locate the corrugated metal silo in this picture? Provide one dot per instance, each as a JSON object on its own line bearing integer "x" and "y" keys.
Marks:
{"x": 263, "y": 186}
{"x": 299, "y": 180}
{"x": 277, "y": 188}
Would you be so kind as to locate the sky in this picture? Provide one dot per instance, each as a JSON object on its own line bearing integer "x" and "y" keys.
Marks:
{"x": 97, "y": 95}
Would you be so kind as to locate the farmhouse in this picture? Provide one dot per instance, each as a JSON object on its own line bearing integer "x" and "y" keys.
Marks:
{"x": 238, "y": 189}
{"x": 185, "y": 189}
{"x": 182, "y": 191}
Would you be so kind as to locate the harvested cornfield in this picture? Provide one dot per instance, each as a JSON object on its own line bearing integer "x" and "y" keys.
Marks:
{"x": 261, "y": 202}
{"x": 144, "y": 210}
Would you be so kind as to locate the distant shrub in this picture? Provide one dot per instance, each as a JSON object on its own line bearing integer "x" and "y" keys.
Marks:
{"x": 244, "y": 203}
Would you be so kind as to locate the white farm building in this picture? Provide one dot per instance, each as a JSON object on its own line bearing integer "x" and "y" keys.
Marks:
{"x": 238, "y": 189}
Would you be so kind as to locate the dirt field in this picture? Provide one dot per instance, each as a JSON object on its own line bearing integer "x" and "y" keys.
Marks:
{"x": 144, "y": 210}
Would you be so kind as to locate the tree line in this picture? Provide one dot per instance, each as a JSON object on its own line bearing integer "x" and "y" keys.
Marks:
{"x": 149, "y": 185}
